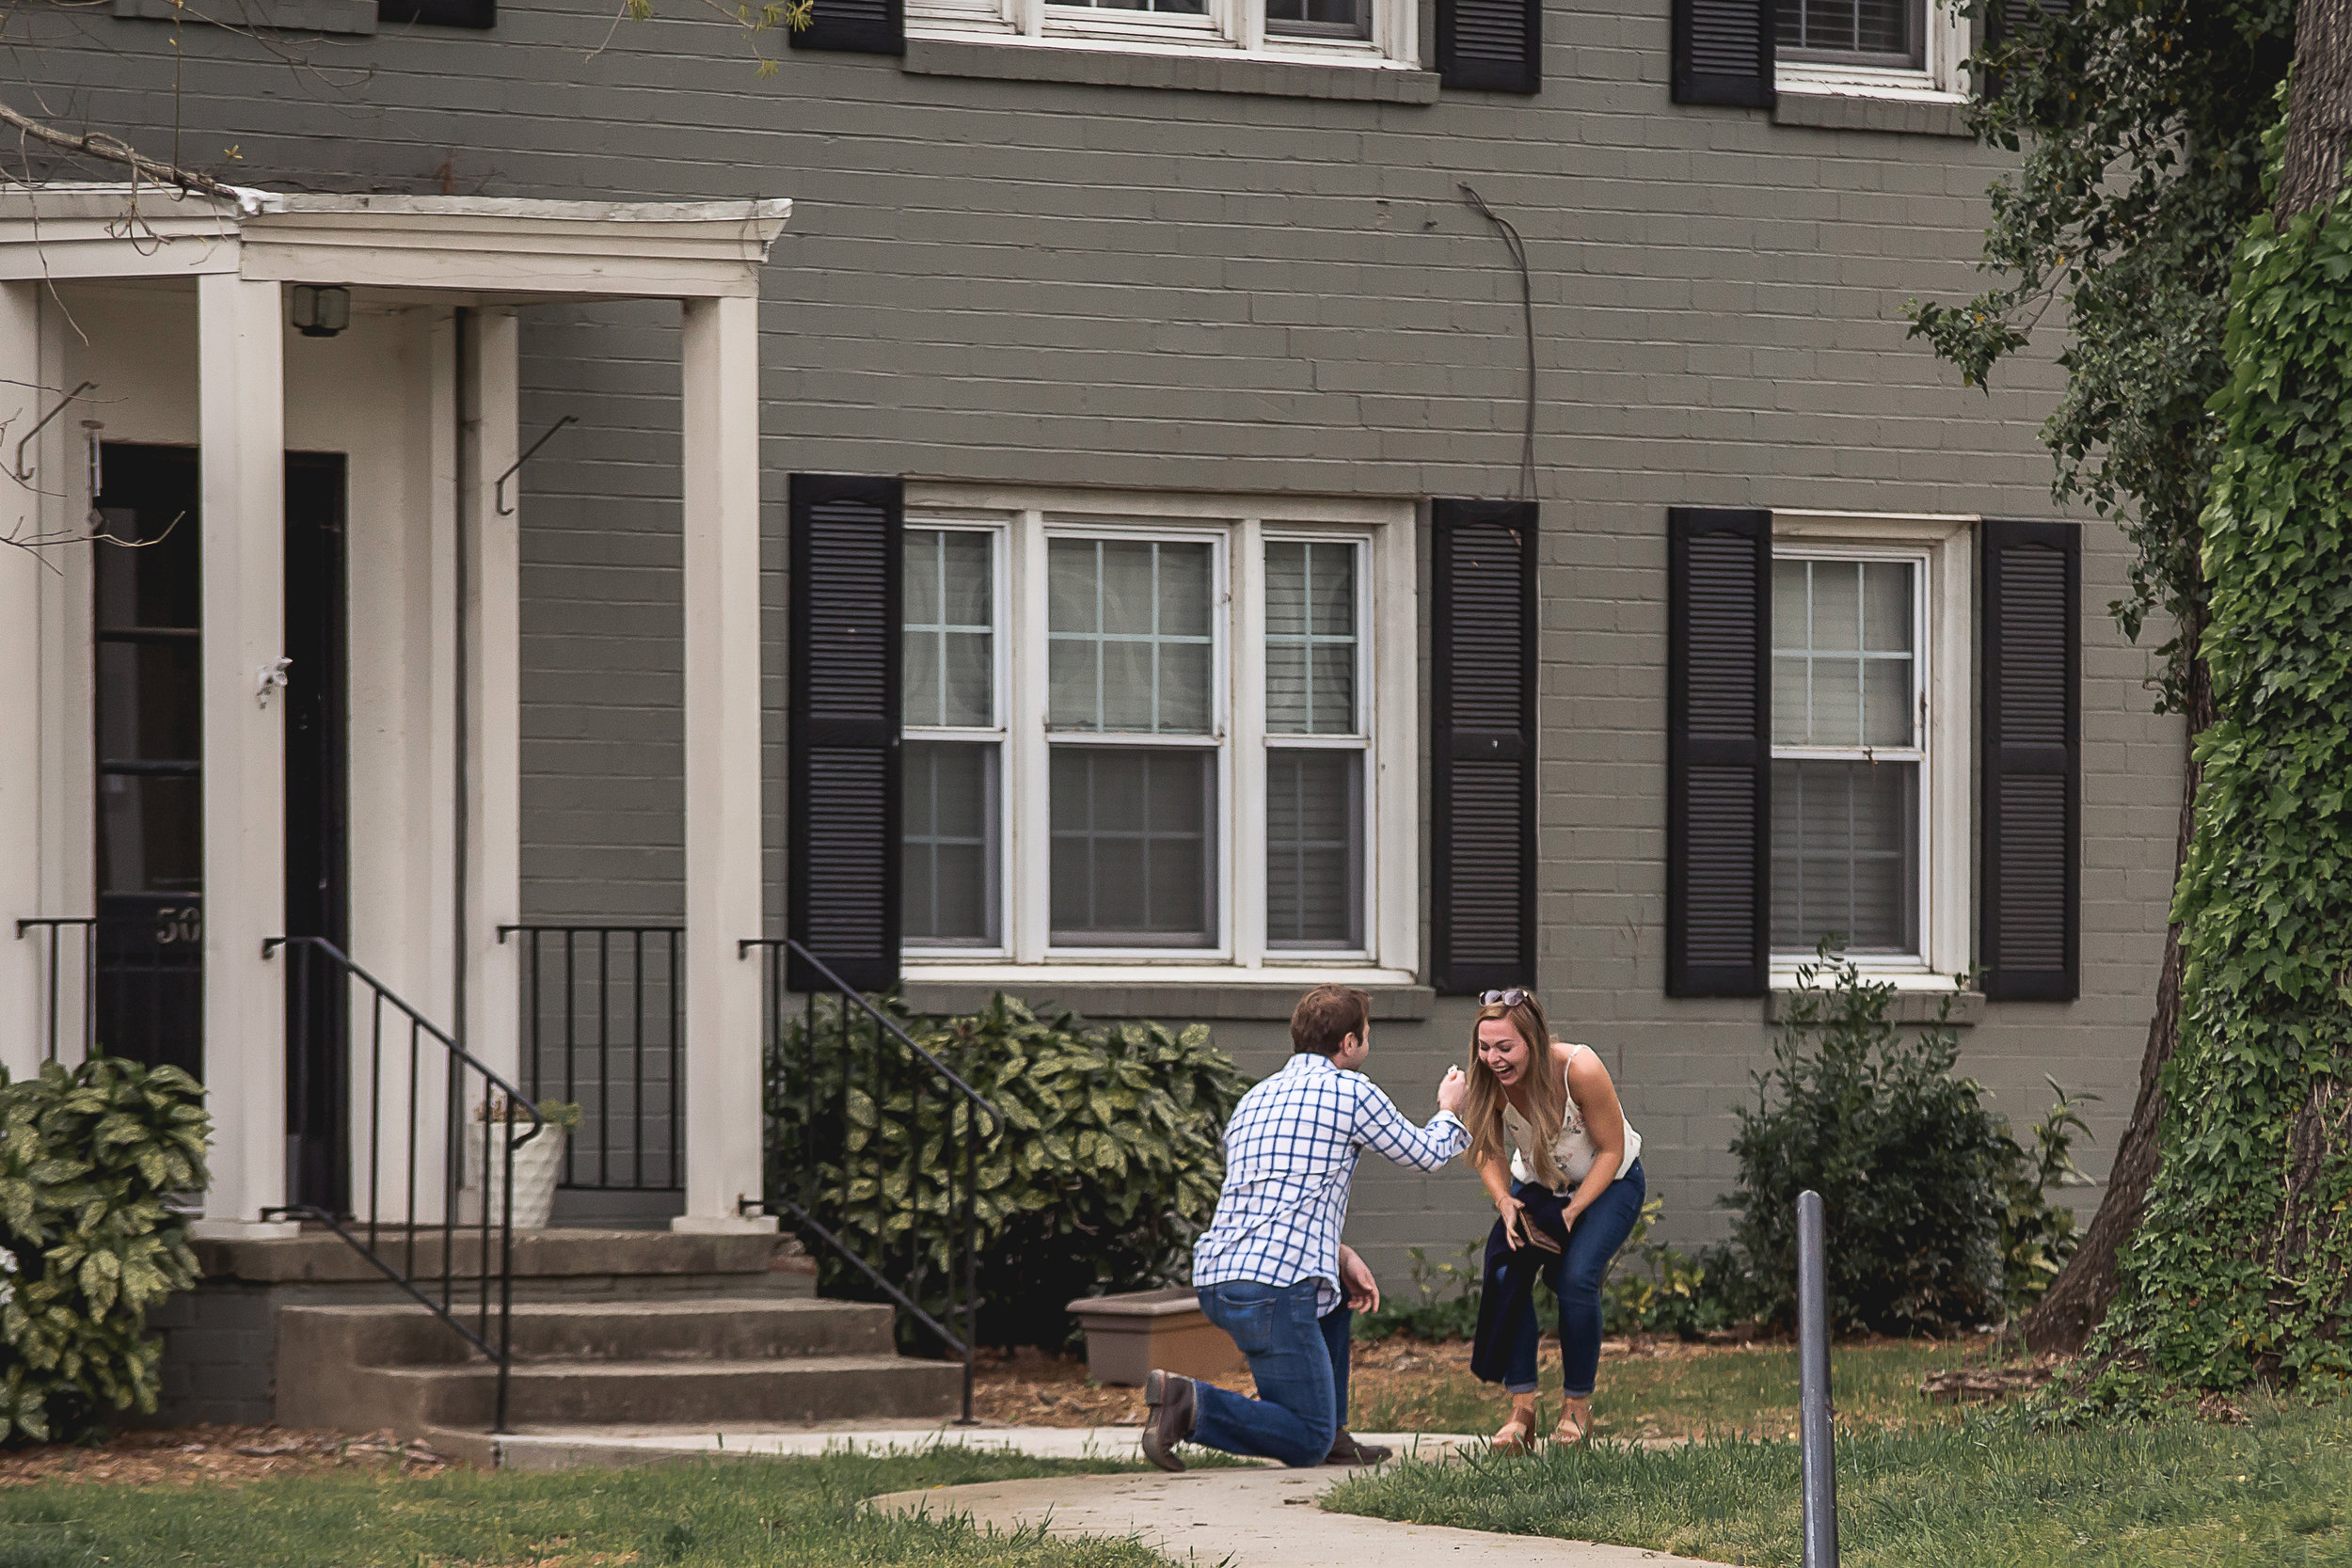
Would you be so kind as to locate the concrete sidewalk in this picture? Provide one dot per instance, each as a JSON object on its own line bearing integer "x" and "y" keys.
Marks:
{"x": 1252, "y": 1518}
{"x": 565, "y": 1448}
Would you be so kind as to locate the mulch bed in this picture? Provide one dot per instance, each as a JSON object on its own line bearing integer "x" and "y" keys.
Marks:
{"x": 216, "y": 1455}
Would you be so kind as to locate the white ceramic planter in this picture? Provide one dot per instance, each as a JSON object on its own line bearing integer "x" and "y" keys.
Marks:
{"x": 538, "y": 1166}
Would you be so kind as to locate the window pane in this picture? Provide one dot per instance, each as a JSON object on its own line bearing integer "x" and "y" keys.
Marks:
{"x": 949, "y": 880}
{"x": 1315, "y": 849}
{"x": 1165, "y": 8}
{"x": 1320, "y": 17}
{"x": 949, "y": 654}
{"x": 150, "y": 833}
{"x": 1134, "y": 840}
{"x": 1842, "y": 654}
{"x": 1887, "y": 32}
{"x": 1131, "y": 645}
{"x": 1311, "y": 638}
{"x": 1846, "y": 855}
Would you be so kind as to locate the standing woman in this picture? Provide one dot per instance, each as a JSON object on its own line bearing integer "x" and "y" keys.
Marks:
{"x": 1564, "y": 1170}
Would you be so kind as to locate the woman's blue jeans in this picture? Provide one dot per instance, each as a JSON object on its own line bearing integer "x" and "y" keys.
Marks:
{"x": 1575, "y": 1275}
{"x": 1299, "y": 1359}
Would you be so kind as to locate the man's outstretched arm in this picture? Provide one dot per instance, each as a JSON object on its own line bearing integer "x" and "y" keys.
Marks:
{"x": 1381, "y": 1126}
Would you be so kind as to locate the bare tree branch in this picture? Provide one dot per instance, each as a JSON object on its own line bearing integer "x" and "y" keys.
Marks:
{"x": 97, "y": 144}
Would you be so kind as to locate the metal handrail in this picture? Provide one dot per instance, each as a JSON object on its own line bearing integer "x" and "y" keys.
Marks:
{"x": 55, "y": 926}
{"x": 961, "y": 1344}
{"x": 589, "y": 1033}
{"x": 498, "y": 1092}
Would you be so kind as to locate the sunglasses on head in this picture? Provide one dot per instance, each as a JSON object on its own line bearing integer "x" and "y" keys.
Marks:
{"x": 1510, "y": 998}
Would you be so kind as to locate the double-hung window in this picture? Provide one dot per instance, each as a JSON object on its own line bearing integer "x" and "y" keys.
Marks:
{"x": 1905, "y": 48}
{"x": 1869, "y": 734}
{"x": 1166, "y": 737}
{"x": 1333, "y": 32}
{"x": 953, "y": 749}
{"x": 1849, "y": 739}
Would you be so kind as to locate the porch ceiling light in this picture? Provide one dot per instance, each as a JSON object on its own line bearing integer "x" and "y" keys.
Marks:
{"x": 320, "y": 310}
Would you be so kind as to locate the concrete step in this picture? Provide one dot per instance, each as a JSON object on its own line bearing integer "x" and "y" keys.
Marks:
{"x": 418, "y": 1400}
{"x": 726, "y": 1329}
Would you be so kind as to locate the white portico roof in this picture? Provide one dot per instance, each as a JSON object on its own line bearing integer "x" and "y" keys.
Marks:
{"x": 477, "y": 249}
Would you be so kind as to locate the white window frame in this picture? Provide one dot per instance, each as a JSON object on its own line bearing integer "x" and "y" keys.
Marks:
{"x": 1940, "y": 78}
{"x": 1941, "y": 548}
{"x": 1227, "y": 28}
{"x": 1025, "y": 519}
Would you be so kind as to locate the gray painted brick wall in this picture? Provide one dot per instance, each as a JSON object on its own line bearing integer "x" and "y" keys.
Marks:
{"x": 1055, "y": 283}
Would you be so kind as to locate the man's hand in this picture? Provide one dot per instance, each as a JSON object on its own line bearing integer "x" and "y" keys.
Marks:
{"x": 1517, "y": 1229}
{"x": 1452, "y": 1090}
{"x": 1363, "y": 1291}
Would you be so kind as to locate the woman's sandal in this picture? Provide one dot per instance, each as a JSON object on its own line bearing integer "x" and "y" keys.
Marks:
{"x": 1571, "y": 1430}
{"x": 1518, "y": 1434}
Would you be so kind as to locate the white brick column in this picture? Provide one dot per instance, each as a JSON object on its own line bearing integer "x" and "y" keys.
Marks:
{"x": 21, "y": 400}
{"x": 241, "y": 423}
{"x": 721, "y": 492}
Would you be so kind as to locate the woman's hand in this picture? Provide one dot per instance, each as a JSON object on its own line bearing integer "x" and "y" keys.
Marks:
{"x": 1517, "y": 1229}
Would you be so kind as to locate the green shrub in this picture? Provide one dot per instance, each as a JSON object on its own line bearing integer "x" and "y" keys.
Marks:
{"x": 87, "y": 1241}
{"x": 1668, "y": 1291}
{"x": 1105, "y": 1169}
{"x": 1907, "y": 1159}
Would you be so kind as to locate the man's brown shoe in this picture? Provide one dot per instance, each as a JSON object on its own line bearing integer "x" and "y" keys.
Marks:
{"x": 1345, "y": 1449}
{"x": 1169, "y": 1402}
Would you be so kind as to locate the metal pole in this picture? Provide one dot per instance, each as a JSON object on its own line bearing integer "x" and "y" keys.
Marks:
{"x": 1816, "y": 1434}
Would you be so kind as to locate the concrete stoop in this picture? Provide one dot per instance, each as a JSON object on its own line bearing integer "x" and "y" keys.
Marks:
{"x": 690, "y": 1365}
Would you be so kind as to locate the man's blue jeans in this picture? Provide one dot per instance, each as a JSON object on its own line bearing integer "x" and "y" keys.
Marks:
{"x": 1300, "y": 1360}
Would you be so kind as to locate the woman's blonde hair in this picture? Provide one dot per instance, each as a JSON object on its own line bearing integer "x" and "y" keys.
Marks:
{"x": 1546, "y": 1094}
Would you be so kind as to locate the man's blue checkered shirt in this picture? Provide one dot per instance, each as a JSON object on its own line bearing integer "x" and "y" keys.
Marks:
{"x": 1290, "y": 1155}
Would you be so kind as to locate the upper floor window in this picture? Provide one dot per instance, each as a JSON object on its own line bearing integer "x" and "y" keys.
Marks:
{"x": 1907, "y": 48}
{"x": 1337, "y": 32}
{"x": 1854, "y": 32}
{"x": 1158, "y": 737}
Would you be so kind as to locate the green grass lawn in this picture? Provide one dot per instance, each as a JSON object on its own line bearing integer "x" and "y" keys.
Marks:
{"x": 2277, "y": 1492}
{"x": 1748, "y": 1391}
{"x": 806, "y": 1513}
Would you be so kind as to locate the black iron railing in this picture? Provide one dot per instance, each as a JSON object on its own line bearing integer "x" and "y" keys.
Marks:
{"x": 604, "y": 1027}
{"x": 855, "y": 1083}
{"x": 423, "y": 1094}
{"x": 58, "y": 974}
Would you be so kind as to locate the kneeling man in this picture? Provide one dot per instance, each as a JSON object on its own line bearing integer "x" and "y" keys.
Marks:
{"x": 1270, "y": 1269}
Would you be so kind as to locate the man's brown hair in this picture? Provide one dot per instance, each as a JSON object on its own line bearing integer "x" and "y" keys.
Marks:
{"x": 1326, "y": 1016}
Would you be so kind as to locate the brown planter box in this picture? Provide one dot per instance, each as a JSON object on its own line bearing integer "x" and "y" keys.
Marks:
{"x": 1129, "y": 1335}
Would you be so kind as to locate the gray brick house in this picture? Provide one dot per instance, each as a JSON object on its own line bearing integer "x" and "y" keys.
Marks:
{"x": 1261, "y": 626}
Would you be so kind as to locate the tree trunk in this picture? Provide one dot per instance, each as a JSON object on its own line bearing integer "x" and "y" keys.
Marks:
{"x": 2061, "y": 1321}
{"x": 2320, "y": 109}
{"x": 2318, "y": 142}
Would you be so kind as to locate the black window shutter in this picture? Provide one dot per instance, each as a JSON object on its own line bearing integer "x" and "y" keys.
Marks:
{"x": 2030, "y": 884}
{"x": 843, "y": 840}
{"x": 858, "y": 26}
{"x": 1723, "y": 52}
{"x": 1491, "y": 45}
{"x": 437, "y": 13}
{"x": 1481, "y": 761}
{"x": 1719, "y": 751}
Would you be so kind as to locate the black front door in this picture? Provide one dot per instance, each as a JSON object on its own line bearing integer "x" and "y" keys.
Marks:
{"x": 147, "y": 721}
{"x": 318, "y": 795}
